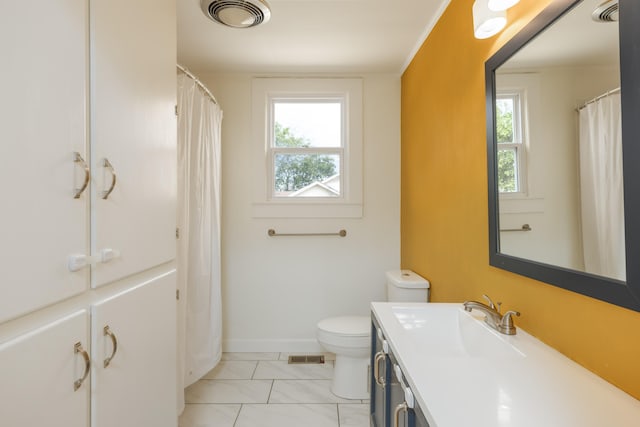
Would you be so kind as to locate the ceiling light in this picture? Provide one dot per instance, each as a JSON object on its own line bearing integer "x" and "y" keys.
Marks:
{"x": 486, "y": 22}
{"x": 237, "y": 13}
{"x": 501, "y": 4}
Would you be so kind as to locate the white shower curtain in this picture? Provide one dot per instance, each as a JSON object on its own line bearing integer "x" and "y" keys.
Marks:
{"x": 601, "y": 187}
{"x": 199, "y": 306}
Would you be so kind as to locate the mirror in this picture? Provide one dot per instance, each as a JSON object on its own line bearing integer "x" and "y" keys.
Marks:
{"x": 562, "y": 109}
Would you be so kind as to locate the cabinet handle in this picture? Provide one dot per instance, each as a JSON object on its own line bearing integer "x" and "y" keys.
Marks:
{"x": 376, "y": 368}
{"x": 77, "y": 158}
{"x": 107, "y": 164}
{"x": 87, "y": 365}
{"x": 396, "y": 413}
{"x": 114, "y": 341}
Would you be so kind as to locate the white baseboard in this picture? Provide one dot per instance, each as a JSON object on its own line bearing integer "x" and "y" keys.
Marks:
{"x": 271, "y": 346}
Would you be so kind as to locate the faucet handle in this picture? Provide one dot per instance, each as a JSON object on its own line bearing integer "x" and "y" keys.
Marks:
{"x": 491, "y": 304}
{"x": 506, "y": 323}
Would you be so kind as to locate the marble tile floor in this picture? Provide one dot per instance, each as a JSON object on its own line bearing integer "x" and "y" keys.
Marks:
{"x": 263, "y": 390}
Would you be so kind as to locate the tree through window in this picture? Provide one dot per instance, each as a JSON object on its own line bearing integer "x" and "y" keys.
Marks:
{"x": 511, "y": 147}
{"x": 307, "y": 147}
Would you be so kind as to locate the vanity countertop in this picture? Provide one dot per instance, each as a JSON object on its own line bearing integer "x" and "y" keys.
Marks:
{"x": 514, "y": 381}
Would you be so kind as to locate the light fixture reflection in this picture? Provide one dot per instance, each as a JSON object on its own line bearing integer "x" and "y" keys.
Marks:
{"x": 487, "y": 22}
{"x": 410, "y": 321}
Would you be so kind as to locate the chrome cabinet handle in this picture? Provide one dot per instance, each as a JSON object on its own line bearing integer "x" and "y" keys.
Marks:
{"x": 107, "y": 164}
{"x": 114, "y": 341}
{"x": 376, "y": 368}
{"x": 87, "y": 365}
{"x": 396, "y": 413}
{"x": 77, "y": 158}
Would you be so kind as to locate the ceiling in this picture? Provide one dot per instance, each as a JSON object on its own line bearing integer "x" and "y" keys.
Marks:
{"x": 310, "y": 36}
{"x": 573, "y": 40}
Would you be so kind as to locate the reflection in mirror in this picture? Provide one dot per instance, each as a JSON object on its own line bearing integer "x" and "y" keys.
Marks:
{"x": 559, "y": 156}
{"x": 544, "y": 87}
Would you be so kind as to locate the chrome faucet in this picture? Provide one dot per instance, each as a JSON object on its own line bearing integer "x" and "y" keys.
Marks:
{"x": 492, "y": 317}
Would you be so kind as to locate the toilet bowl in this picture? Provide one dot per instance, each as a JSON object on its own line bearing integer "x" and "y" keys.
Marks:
{"x": 349, "y": 337}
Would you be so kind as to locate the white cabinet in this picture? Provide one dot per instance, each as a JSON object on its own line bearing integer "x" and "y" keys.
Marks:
{"x": 137, "y": 386}
{"x": 133, "y": 126}
{"x": 54, "y": 373}
{"x": 50, "y": 105}
{"x": 38, "y": 372}
{"x": 96, "y": 78}
{"x": 42, "y": 123}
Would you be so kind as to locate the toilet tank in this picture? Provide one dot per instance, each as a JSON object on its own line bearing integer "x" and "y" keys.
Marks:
{"x": 406, "y": 286}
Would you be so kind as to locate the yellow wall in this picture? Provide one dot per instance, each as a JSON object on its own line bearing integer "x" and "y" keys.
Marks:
{"x": 444, "y": 203}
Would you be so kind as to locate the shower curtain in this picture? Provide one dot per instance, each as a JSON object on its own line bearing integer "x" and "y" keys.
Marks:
{"x": 601, "y": 187}
{"x": 198, "y": 245}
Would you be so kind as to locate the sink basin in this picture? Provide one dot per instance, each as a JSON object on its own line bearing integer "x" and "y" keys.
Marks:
{"x": 452, "y": 332}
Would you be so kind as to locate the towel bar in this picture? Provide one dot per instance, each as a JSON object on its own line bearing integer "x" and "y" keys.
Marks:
{"x": 272, "y": 233}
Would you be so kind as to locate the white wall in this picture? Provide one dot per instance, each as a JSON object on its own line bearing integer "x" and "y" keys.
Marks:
{"x": 552, "y": 203}
{"x": 275, "y": 289}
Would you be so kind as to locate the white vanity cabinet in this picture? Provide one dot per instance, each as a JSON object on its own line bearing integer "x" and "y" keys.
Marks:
{"x": 133, "y": 135}
{"x": 452, "y": 369}
{"x": 134, "y": 357}
{"x": 44, "y": 69}
{"x": 44, "y": 377}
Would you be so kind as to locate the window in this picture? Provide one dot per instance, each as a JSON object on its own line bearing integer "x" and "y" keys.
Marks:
{"x": 306, "y": 147}
{"x": 511, "y": 145}
{"x": 307, "y": 154}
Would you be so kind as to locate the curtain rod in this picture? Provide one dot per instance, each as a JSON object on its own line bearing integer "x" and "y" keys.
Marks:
{"x": 597, "y": 98}
{"x": 198, "y": 82}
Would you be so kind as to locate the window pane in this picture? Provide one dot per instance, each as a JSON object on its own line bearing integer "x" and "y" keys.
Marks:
{"x": 306, "y": 175}
{"x": 507, "y": 170}
{"x": 307, "y": 124}
{"x": 505, "y": 123}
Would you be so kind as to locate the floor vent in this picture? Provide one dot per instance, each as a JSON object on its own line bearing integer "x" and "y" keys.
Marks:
{"x": 306, "y": 359}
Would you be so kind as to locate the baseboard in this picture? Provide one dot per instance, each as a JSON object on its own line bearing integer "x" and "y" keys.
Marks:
{"x": 271, "y": 346}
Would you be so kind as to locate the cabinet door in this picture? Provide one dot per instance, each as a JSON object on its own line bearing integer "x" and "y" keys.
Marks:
{"x": 407, "y": 416}
{"x": 133, "y": 98}
{"x": 42, "y": 123}
{"x": 138, "y": 386}
{"x": 380, "y": 398}
{"x": 37, "y": 375}
{"x": 396, "y": 396}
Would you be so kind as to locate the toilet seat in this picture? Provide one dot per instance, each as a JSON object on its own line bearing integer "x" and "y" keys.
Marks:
{"x": 346, "y": 332}
{"x": 351, "y": 326}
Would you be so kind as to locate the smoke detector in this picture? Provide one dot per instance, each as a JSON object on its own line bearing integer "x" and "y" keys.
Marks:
{"x": 237, "y": 13}
{"x": 606, "y": 12}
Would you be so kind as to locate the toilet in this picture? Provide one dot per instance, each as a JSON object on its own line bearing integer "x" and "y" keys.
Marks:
{"x": 349, "y": 337}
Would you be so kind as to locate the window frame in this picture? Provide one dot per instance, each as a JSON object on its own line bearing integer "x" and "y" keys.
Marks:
{"x": 520, "y": 139}
{"x": 273, "y": 150}
{"x": 264, "y": 202}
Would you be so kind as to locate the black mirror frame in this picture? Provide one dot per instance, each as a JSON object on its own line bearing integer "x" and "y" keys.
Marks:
{"x": 621, "y": 293}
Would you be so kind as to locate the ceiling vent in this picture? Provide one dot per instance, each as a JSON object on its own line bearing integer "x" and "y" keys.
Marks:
{"x": 606, "y": 12}
{"x": 237, "y": 13}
